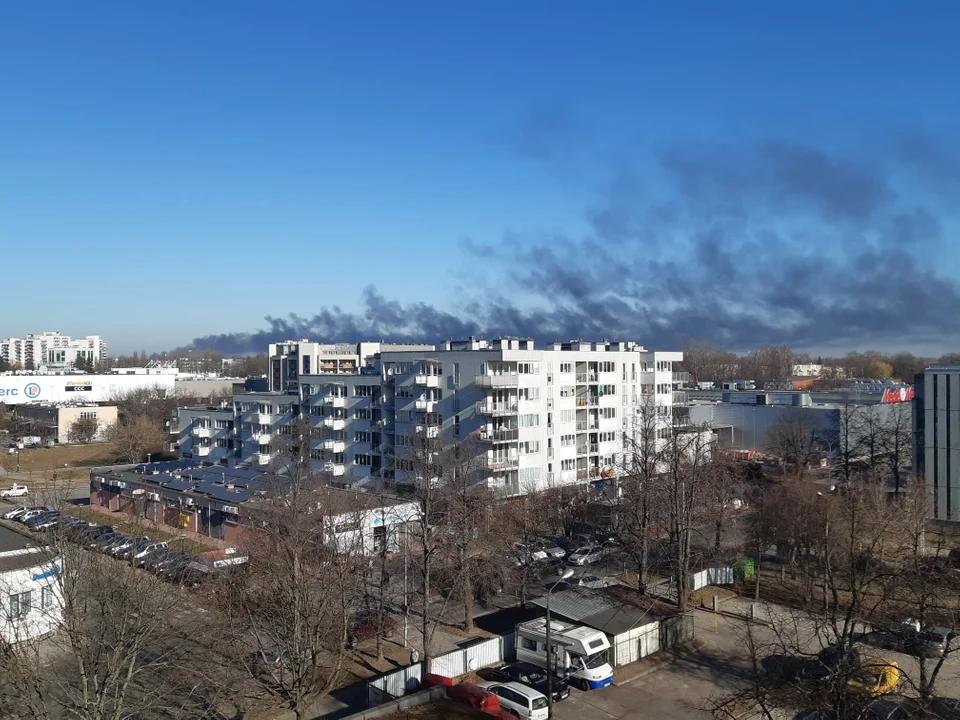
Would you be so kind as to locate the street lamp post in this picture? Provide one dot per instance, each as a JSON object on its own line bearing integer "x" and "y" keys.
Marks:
{"x": 563, "y": 576}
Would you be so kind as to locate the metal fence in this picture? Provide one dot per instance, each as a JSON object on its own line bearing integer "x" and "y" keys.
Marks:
{"x": 637, "y": 643}
{"x": 452, "y": 664}
{"x": 711, "y": 576}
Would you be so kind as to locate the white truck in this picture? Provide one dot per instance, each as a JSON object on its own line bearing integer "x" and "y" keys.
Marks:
{"x": 578, "y": 653}
{"x": 15, "y": 491}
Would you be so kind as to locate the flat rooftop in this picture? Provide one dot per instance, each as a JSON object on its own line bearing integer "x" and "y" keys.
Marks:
{"x": 11, "y": 540}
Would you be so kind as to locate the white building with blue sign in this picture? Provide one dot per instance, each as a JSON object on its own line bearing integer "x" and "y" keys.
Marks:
{"x": 31, "y": 602}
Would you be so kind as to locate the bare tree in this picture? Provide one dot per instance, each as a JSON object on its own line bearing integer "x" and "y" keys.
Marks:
{"x": 83, "y": 430}
{"x": 794, "y": 440}
{"x": 136, "y": 437}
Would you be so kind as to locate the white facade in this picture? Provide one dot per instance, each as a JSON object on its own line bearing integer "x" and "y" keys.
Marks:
{"x": 18, "y": 389}
{"x": 31, "y": 604}
{"x": 537, "y": 418}
{"x": 52, "y": 350}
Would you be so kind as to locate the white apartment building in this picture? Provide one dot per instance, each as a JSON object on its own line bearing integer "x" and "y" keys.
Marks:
{"x": 536, "y": 418}
{"x": 52, "y": 350}
{"x": 287, "y": 361}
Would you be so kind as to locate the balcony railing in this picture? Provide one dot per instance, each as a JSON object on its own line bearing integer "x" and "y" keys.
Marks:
{"x": 426, "y": 405}
{"x": 501, "y": 462}
{"x": 264, "y": 458}
{"x": 264, "y": 418}
{"x": 588, "y": 473}
{"x": 588, "y": 401}
{"x": 500, "y": 435}
{"x": 497, "y": 381}
{"x": 334, "y": 445}
{"x": 427, "y": 380}
{"x": 334, "y": 423}
{"x": 333, "y": 468}
{"x": 335, "y": 401}
{"x": 202, "y": 451}
{"x": 430, "y": 431}
{"x": 495, "y": 408}
{"x": 201, "y": 432}
{"x": 581, "y": 425}
{"x": 590, "y": 377}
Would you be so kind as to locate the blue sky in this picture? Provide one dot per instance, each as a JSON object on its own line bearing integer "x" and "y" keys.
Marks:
{"x": 181, "y": 169}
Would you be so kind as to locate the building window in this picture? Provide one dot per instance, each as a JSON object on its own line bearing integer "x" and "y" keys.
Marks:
{"x": 88, "y": 415}
{"x": 528, "y": 644}
{"x": 46, "y": 598}
{"x": 361, "y": 459}
{"x": 566, "y": 367}
{"x": 19, "y": 605}
{"x": 362, "y": 414}
{"x": 529, "y": 420}
{"x": 362, "y": 436}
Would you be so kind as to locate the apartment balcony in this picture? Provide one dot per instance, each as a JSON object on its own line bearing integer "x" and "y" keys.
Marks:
{"x": 337, "y": 446}
{"x": 501, "y": 462}
{"x": 171, "y": 447}
{"x": 497, "y": 408}
{"x": 173, "y": 426}
{"x": 332, "y": 468}
{"x": 264, "y": 418}
{"x": 582, "y": 425}
{"x": 202, "y": 451}
{"x": 497, "y": 381}
{"x": 430, "y": 381}
{"x": 264, "y": 458}
{"x": 334, "y": 423}
{"x": 262, "y": 438}
{"x": 588, "y": 473}
{"x": 584, "y": 378}
{"x": 502, "y": 435}
{"x": 426, "y": 405}
{"x": 337, "y": 401}
{"x": 201, "y": 432}
{"x": 588, "y": 401}
{"x": 594, "y": 448}
{"x": 430, "y": 431}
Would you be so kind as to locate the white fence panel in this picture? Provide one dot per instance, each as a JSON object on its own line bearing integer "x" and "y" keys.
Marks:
{"x": 711, "y": 576}
{"x": 399, "y": 683}
{"x": 484, "y": 653}
{"x": 450, "y": 665}
{"x": 636, "y": 643}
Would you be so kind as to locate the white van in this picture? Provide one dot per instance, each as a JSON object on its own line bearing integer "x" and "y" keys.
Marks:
{"x": 523, "y": 701}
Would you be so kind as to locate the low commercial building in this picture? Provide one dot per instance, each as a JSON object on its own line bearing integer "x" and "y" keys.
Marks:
{"x": 216, "y": 502}
{"x": 30, "y": 388}
{"x": 31, "y": 603}
{"x": 66, "y": 423}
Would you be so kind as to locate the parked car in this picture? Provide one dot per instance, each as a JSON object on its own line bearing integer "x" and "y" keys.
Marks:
{"x": 586, "y": 554}
{"x": 142, "y": 552}
{"x": 156, "y": 562}
{"x": 876, "y": 677}
{"x": 16, "y": 512}
{"x": 531, "y": 676}
{"x": 111, "y": 543}
{"x": 132, "y": 548}
{"x": 32, "y": 513}
{"x": 930, "y": 642}
{"x": 43, "y": 520}
{"x": 525, "y": 554}
{"x": 15, "y": 491}
{"x": 86, "y": 535}
{"x": 574, "y": 542}
{"x": 106, "y": 541}
{"x": 551, "y": 548}
{"x": 523, "y": 701}
{"x": 590, "y": 581}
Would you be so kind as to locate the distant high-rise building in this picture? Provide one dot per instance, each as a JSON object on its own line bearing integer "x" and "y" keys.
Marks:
{"x": 936, "y": 438}
{"x": 53, "y": 351}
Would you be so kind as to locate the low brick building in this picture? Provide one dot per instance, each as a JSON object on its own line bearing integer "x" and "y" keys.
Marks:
{"x": 213, "y": 501}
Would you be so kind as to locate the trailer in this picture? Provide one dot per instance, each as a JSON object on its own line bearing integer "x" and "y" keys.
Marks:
{"x": 578, "y": 654}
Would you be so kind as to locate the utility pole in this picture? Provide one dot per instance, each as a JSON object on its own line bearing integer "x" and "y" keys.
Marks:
{"x": 566, "y": 574}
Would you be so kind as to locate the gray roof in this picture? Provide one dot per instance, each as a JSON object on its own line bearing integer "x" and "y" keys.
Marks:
{"x": 595, "y": 608}
{"x": 11, "y": 540}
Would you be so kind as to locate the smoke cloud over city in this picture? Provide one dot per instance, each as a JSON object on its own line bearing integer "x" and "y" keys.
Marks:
{"x": 774, "y": 243}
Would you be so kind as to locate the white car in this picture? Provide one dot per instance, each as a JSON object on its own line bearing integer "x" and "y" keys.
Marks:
{"x": 526, "y": 555}
{"x": 16, "y": 512}
{"x": 519, "y": 699}
{"x": 590, "y": 581}
{"x": 32, "y": 513}
{"x": 552, "y": 549}
{"x": 586, "y": 555}
{"x": 15, "y": 491}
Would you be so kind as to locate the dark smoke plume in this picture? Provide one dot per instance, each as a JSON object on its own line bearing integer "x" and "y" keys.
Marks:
{"x": 779, "y": 243}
